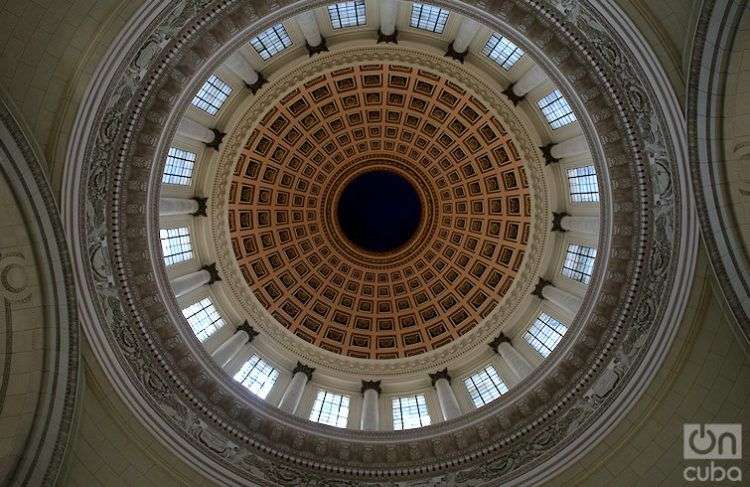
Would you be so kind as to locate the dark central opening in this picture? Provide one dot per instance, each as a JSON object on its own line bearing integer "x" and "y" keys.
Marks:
{"x": 379, "y": 211}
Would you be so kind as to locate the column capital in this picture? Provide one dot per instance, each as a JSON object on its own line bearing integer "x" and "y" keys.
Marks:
{"x": 371, "y": 384}
{"x": 540, "y": 285}
{"x": 393, "y": 38}
{"x": 501, "y": 338}
{"x": 440, "y": 374}
{"x": 251, "y": 333}
{"x": 258, "y": 83}
{"x": 313, "y": 50}
{"x": 218, "y": 139}
{"x": 557, "y": 221}
{"x": 458, "y": 56}
{"x": 305, "y": 369}
{"x": 512, "y": 95}
{"x": 202, "y": 206}
{"x": 547, "y": 153}
{"x": 213, "y": 271}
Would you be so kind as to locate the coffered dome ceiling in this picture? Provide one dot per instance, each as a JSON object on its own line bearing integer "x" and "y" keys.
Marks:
{"x": 446, "y": 143}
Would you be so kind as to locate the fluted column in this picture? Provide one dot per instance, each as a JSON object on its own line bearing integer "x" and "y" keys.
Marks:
{"x": 460, "y": 45}
{"x": 388, "y": 14}
{"x": 182, "y": 206}
{"x": 517, "y": 363}
{"x": 441, "y": 381}
{"x": 232, "y": 346}
{"x": 562, "y": 299}
{"x": 315, "y": 42}
{"x": 370, "y": 410}
{"x": 587, "y": 225}
{"x": 239, "y": 66}
{"x": 190, "y": 282}
{"x": 569, "y": 147}
{"x": 194, "y": 130}
{"x": 301, "y": 375}
{"x": 530, "y": 80}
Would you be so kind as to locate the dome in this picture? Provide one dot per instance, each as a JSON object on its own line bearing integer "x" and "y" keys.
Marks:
{"x": 371, "y": 242}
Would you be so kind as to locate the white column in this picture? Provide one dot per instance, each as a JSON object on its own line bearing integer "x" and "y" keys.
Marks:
{"x": 370, "y": 412}
{"x": 291, "y": 398}
{"x": 230, "y": 348}
{"x": 588, "y": 225}
{"x": 190, "y": 282}
{"x": 177, "y": 206}
{"x": 517, "y": 363}
{"x": 446, "y": 396}
{"x": 193, "y": 130}
{"x": 239, "y": 66}
{"x": 466, "y": 32}
{"x": 530, "y": 80}
{"x": 309, "y": 27}
{"x": 388, "y": 13}
{"x": 569, "y": 147}
{"x": 563, "y": 299}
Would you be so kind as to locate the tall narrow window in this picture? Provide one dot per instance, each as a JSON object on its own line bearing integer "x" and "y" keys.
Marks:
{"x": 176, "y": 245}
{"x": 331, "y": 409}
{"x": 258, "y": 376}
{"x": 502, "y": 51}
{"x": 203, "y": 318}
{"x": 583, "y": 185}
{"x": 428, "y": 17}
{"x": 556, "y": 110}
{"x": 212, "y": 95}
{"x": 179, "y": 167}
{"x": 347, "y": 14}
{"x": 410, "y": 412}
{"x": 579, "y": 262}
{"x": 485, "y": 386}
{"x": 544, "y": 334}
{"x": 271, "y": 41}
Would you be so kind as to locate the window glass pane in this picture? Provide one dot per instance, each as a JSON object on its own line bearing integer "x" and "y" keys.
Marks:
{"x": 179, "y": 167}
{"x": 175, "y": 244}
{"x": 258, "y": 376}
{"x": 583, "y": 185}
{"x": 271, "y": 41}
{"x": 428, "y": 17}
{"x": 556, "y": 110}
{"x": 203, "y": 318}
{"x": 485, "y": 386}
{"x": 347, "y": 14}
{"x": 410, "y": 412}
{"x": 502, "y": 51}
{"x": 331, "y": 409}
{"x": 212, "y": 95}
{"x": 544, "y": 334}
{"x": 579, "y": 262}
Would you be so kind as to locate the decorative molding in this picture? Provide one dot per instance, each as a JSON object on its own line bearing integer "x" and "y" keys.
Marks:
{"x": 218, "y": 139}
{"x": 251, "y": 332}
{"x": 515, "y": 99}
{"x": 202, "y": 206}
{"x": 382, "y": 38}
{"x": 458, "y": 56}
{"x": 313, "y": 50}
{"x": 257, "y": 85}
{"x": 540, "y": 285}
{"x": 547, "y": 154}
{"x": 501, "y": 338}
{"x": 213, "y": 271}
{"x": 371, "y": 384}
{"x": 557, "y": 218}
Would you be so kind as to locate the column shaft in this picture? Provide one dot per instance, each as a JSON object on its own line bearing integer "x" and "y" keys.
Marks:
{"x": 569, "y": 147}
{"x": 530, "y": 80}
{"x": 447, "y": 399}
{"x": 239, "y": 66}
{"x": 370, "y": 412}
{"x": 563, "y": 299}
{"x": 193, "y": 130}
{"x": 517, "y": 363}
{"x": 588, "y": 225}
{"x": 190, "y": 282}
{"x": 230, "y": 348}
{"x": 309, "y": 27}
{"x": 388, "y": 13}
{"x": 466, "y": 32}
{"x": 177, "y": 206}
{"x": 293, "y": 394}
